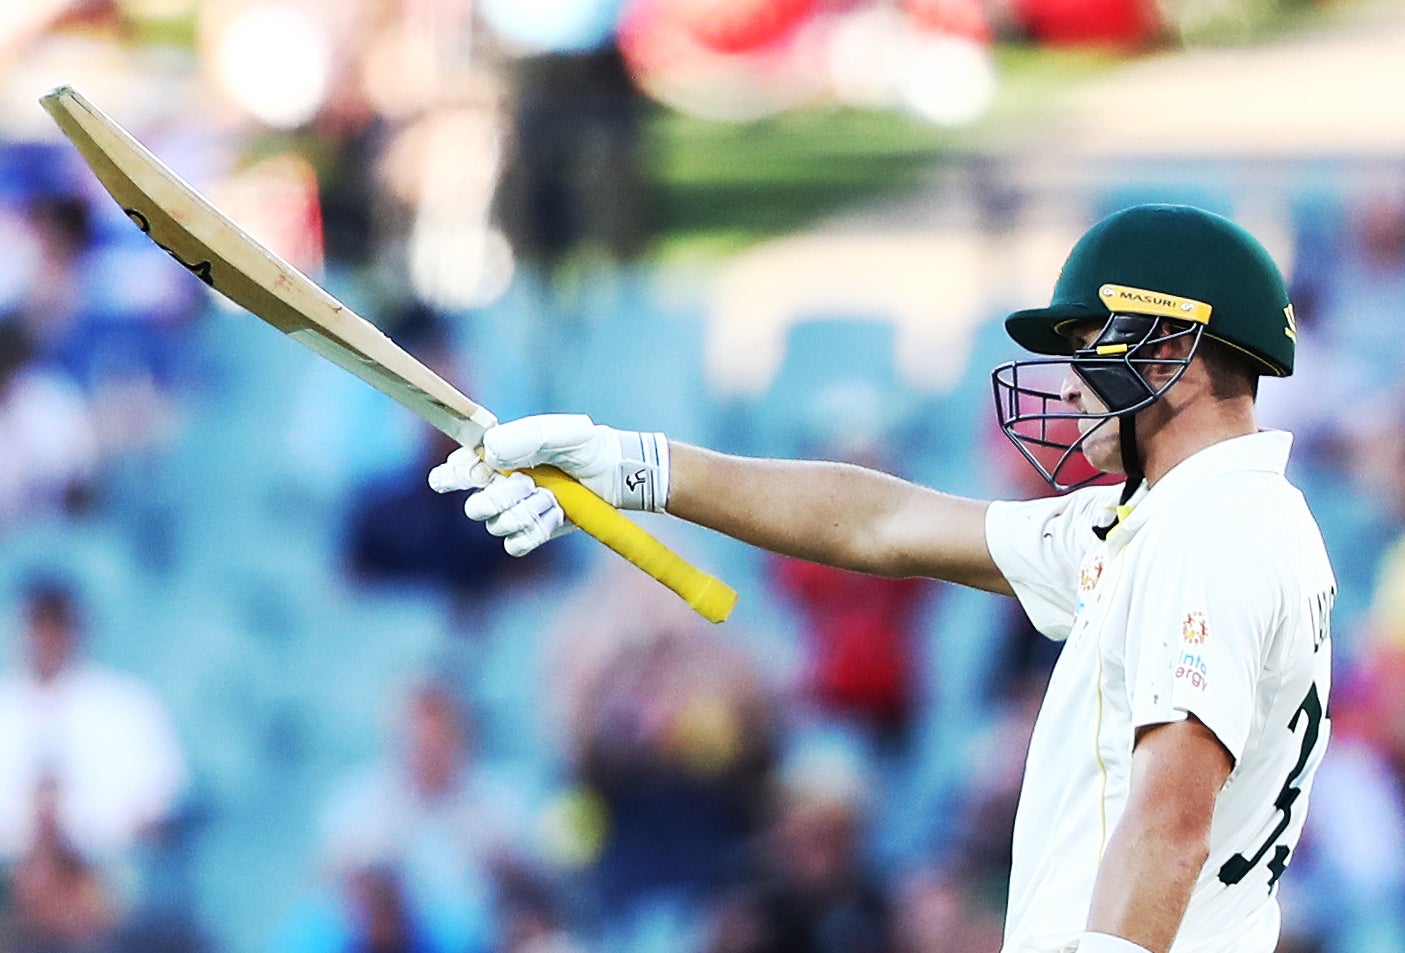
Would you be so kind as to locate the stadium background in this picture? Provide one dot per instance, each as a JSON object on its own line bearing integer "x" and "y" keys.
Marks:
{"x": 785, "y": 227}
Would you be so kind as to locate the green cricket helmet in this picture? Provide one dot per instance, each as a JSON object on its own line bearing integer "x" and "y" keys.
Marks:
{"x": 1150, "y": 273}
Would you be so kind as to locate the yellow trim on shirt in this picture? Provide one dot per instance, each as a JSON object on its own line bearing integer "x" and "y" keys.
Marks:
{"x": 1098, "y": 751}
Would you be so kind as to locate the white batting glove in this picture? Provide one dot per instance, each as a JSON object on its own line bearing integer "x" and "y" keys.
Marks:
{"x": 627, "y": 469}
{"x": 509, "y": 505}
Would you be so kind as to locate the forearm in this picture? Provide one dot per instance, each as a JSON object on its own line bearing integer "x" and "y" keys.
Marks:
{"x": 1145, "y": 880}
{"x": 1160, "y": 845}
{"x": 834, "y": 513}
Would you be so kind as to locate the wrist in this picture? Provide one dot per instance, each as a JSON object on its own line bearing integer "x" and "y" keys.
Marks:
{"x": 644, "y": 471}
{"x": 1105, "y": 943}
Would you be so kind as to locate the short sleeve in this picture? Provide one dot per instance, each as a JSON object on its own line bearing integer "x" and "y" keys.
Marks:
{"x": 1201, "y": 613}
{"x": 1039, "y": 545}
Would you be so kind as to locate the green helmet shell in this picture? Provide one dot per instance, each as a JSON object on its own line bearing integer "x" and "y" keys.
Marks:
{"x": 1176, "y": 261}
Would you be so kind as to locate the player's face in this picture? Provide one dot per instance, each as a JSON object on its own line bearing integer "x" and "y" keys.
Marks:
{"x": 1103, "y": 446}
{"x": 51, "y": 645}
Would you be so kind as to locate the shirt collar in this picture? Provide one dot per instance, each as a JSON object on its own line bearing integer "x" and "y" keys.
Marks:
{"x": 1266, "y": 450}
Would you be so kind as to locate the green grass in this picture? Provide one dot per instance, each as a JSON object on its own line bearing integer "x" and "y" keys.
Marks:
{"x": 718, "y": 187}
{"x": 727, "y": 183}
{"x": 1259, "y": 22}
{"x": 721, "y": 186}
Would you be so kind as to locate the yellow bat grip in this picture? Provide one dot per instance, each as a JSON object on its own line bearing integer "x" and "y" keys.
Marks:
{"x": 709, "y": 596}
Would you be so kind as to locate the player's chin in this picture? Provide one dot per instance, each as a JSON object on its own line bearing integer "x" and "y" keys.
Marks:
{"x": 1103, "y": 453}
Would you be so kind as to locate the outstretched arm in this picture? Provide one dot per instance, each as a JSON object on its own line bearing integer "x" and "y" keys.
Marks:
{"x": 832, "y": 513}
{"x": 835, "y": 513}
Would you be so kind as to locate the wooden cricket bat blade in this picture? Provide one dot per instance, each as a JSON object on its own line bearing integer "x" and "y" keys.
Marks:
{"x": 205, "y": 242}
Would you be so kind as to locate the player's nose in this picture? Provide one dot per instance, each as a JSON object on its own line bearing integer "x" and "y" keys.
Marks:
{"x": 1071, "y": 388}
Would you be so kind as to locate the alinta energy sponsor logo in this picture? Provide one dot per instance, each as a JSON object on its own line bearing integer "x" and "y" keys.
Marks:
{"x": 1192, "y": 669}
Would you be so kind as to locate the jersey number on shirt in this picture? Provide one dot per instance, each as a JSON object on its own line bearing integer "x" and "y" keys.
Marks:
{"x": 1237, "y": 867}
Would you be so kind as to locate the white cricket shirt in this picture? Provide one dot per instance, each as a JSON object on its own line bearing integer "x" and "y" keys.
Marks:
{"x": 1211, "y": 597}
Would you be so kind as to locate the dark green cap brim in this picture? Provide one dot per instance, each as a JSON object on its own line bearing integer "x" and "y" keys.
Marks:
{"x": 1037, "y": 329}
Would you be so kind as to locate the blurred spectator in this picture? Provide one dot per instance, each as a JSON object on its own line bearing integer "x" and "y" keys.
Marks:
{"x": 59, "y": 901}
{"x": 935, "y": 914}
{"x": 383, "y": 922}
{"x": 536, "y": 917}
{"x": 101, "y": 737}
{"x": 372, "y": 913}
{"x": 954, "y": 901}
{"x": 416, "y": 845}
{"x": 58, "y": 228}
{"x": 350, "y": 135}
{"x": 399, "y": 530}
{"x": 1347, "y": 886}
{"x": 100, "y": 310}
{"x": 1386, "y": 622}
{"x": 92, "y": 786}
{"x": 1378, "y": 455}
{"x": 1127, "y": 24}
{"x": 47, "y": 432}
{"x": 576, "y": 176}
{"x": 402, "y": 531}
{"x": 1352, "y": 896}
{"x": 808, "y": 890}
{"x": 1358, "y": 321}
{"x": 673, "y": 733}
{"x": 859, "y": 634}
{"x": 980, "y": 856}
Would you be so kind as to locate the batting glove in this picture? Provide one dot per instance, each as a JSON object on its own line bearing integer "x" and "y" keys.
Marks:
{"x": 627, "y": 469}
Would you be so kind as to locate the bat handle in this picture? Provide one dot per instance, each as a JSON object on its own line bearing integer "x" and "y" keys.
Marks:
{"x": 709, "y": 596}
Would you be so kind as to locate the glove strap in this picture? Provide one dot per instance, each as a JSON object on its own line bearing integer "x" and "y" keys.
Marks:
{"x": 643, "y": 483}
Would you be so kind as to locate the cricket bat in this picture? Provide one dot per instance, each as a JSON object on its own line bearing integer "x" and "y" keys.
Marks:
{"x": 185, "y": 225}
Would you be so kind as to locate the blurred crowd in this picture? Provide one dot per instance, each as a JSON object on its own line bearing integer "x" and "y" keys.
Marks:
{"x": 572, "y": 763}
